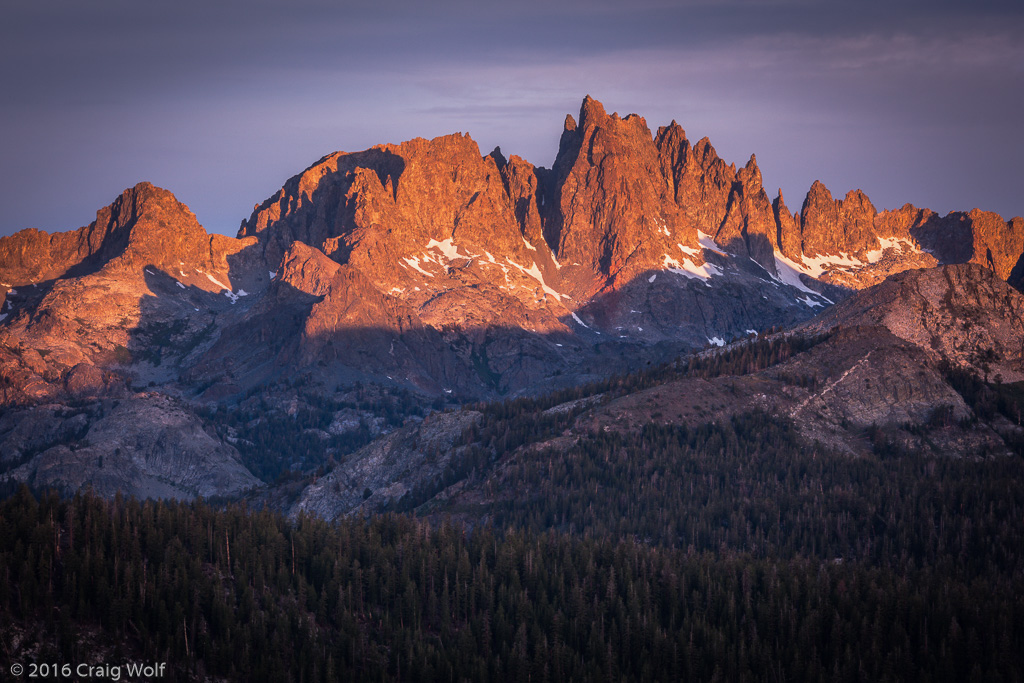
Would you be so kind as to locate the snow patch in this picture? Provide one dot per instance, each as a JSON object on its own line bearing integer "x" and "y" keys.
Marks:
{"x": 690, "y": 251}
{"x": 717, "y": 341}
{"x": 815, "y": 266}
{"x": 899, "y": 245}
{"x": 179, "y": 284}
{"x": 819, "y": 264}
{"x": 577, "y": 319}
{"x": 446, "y": 247}
{"x": 216, "y": 281}
{"x": 808, "y": 301}
{"x": 789, "y": 274}
{"x": 272, "y": 274}
{"x": 12, "y": 292}
{"x": 415, "y": 263}
{"x": 3, "y": 316}
{"x": 706, "y": 242}
{"x": 529, "y": 246}
{"x": 652, "y": 278}
{"x": 689, "y": 269}
{"x": 534, "y": 272}
{"x": 753, "y": 332}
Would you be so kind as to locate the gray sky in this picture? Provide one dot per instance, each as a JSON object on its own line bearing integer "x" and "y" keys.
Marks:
{"x": 221, "y": 102}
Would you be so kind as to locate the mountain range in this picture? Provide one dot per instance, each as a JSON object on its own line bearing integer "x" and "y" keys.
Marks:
{"x": 337, "y": 353}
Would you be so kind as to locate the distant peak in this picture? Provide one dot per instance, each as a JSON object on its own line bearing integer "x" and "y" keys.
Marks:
{"x": 591, "y": 112}
{"x": 751, "y": 174}
{"x": 499, "y": 159}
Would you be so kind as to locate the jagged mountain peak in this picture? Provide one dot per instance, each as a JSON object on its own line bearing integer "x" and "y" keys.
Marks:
{"x": 429, "y": 267}
{"x": 144, "y": 226}
{"x": 591, "y": 112}
{"x": 629, "y": 237}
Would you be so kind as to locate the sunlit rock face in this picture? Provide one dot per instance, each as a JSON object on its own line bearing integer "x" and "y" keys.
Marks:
{"x": 431, "y": 266}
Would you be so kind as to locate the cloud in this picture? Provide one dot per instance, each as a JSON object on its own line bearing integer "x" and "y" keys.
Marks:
{"x": 222, "y": 101}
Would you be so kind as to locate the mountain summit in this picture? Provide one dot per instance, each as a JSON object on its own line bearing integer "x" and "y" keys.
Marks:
{"x": 430, "y": 268}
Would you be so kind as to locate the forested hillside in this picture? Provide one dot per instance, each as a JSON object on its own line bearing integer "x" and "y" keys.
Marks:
{"x": 726, "y": 554}
{"x": 671, "y": 524}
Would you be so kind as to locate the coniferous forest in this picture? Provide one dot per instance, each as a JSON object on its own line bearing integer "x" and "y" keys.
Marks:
{"x": 730, "y": 551}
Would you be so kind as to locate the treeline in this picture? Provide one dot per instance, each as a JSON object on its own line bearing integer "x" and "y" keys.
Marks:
{"x": 986, "y": 399}
{"x": 751, "y": 355}
{"x": 751, "y": 484}
{"x": 251, "y": 596}
{"x": 508, "y": 425}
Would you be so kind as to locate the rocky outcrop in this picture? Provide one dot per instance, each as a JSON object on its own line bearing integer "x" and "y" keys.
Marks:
{"x": 853, "y": 245}
{"x": 390, "y": 201}
{"x": 835, "y": 226}
{"x": 615, "y": 215}
{"x": 749, "y": 227}
{"x": 143, "y": 285}
{"x": 388, "y": 469}
{"x": 700, "y": 181}
{"x": 997, "y": 244}
{"x": 788, "y": 228}
{"x": 148, "y": 446}
{"x": 962, "y": 313}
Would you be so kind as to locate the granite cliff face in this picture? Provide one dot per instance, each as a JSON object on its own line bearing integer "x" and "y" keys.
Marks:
{"x": 514, "y": 278}
{"x": 92, "y": 316}
{"x": 430, "y": 267}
